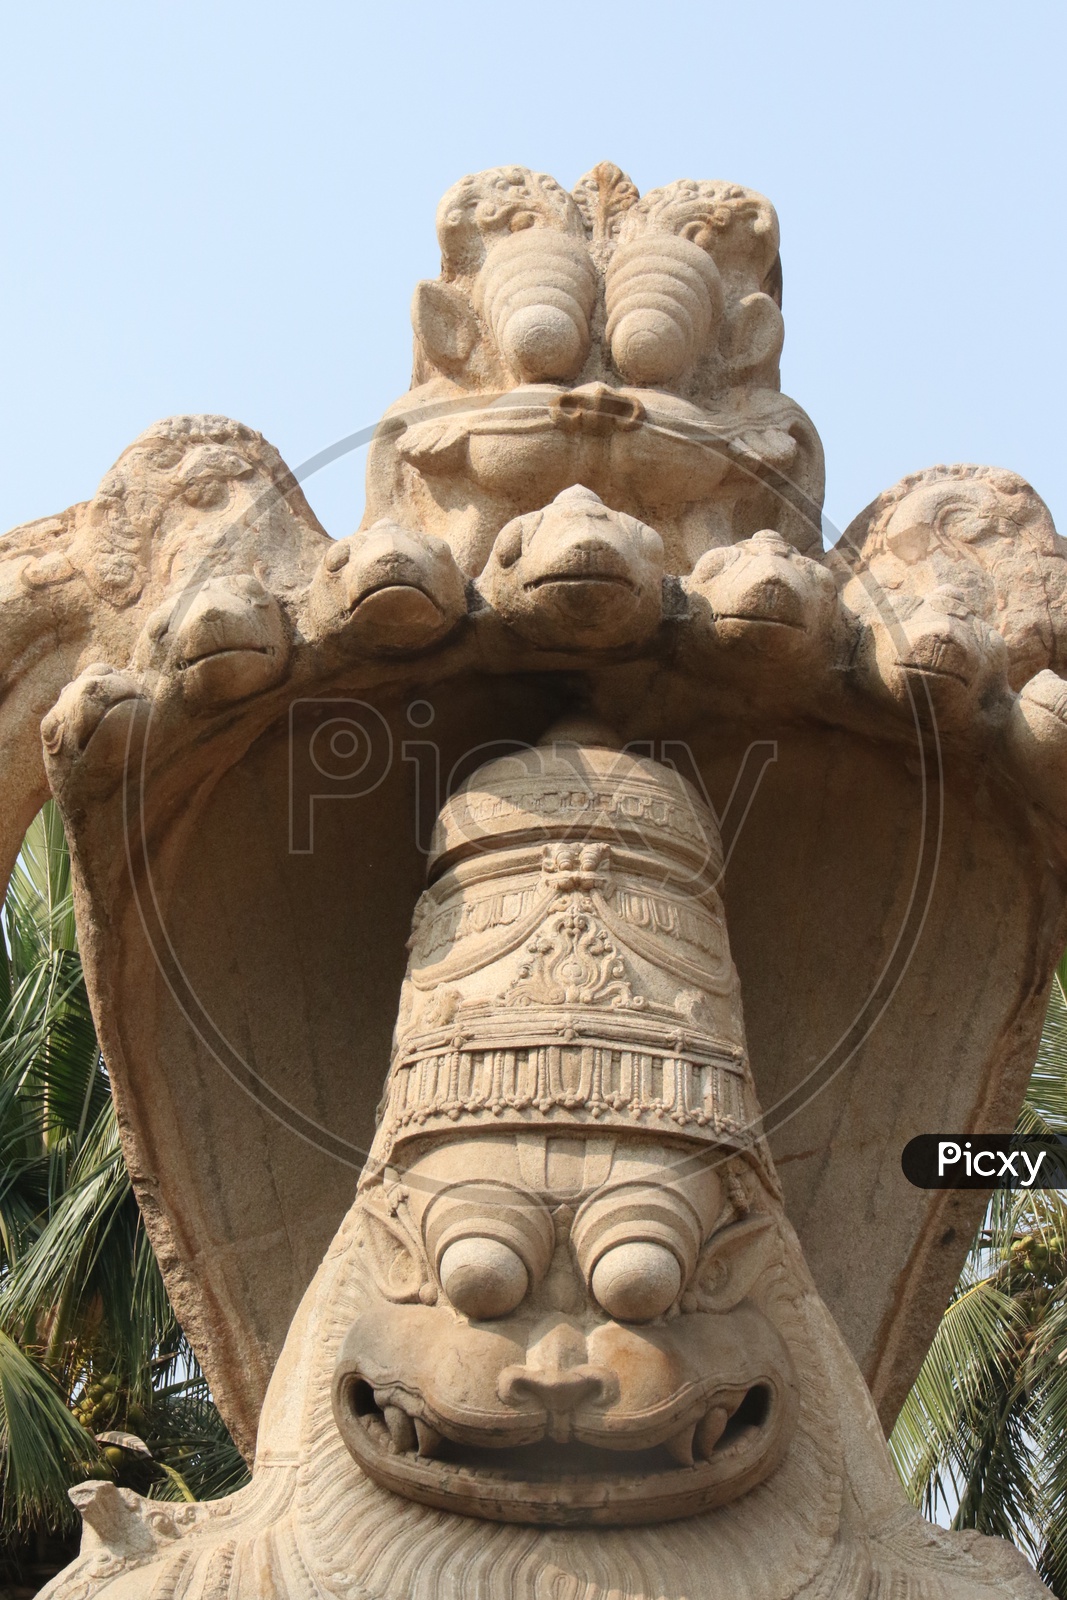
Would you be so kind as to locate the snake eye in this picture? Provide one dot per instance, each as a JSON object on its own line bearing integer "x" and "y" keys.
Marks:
{"x": 637, "y": 1281}
{"x": 482, "y": 1277}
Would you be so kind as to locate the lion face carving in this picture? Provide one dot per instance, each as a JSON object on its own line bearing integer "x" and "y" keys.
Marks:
{"x": 565, "y": 1329}
{"x": 627, "y": 343}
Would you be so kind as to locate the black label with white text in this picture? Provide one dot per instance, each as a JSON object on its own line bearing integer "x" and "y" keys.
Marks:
{"x": 985, "y": 1161}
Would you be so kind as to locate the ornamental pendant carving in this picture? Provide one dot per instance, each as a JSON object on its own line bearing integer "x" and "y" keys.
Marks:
{"x": 572, "y": 959}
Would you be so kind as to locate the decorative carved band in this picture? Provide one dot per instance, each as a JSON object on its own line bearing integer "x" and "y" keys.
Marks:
{"x": 477, "y": 924}
{"x": 587, "y": 795}
{"x": 574, "y": 1081}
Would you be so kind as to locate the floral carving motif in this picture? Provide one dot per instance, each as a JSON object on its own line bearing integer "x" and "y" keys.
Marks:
{"x": 573, "y": 959}
{"x": 574, "y": 962}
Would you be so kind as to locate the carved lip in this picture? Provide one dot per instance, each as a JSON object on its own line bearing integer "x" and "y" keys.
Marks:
{"x": 722, "y": 1454}
{"x": 935, "y": 657}
{"x": 760, "y": 617}
{"x": 609, "y": 580}
{"x": 923, "y": 669}
{"x": 226, "y": 650}
{"x": 393, "y": 585}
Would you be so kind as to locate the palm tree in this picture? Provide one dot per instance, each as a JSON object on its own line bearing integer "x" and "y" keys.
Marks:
{"x": 981, "y": 1441}
{"x": 96, "y": 1377}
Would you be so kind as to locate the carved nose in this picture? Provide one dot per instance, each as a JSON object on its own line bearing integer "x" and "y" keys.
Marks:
{"x": 556, "y": 1378}
{"x": 596, "y": 409}
{"x": 559, "y": 1389}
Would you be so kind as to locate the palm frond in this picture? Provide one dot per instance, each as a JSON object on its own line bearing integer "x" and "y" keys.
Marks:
{"x": 88, "y": 1338}
{"x": 39, "y": 908}
{"x": 963, "y": 1379}
{"x": 196, "y": 1446}
{"x": 1049, "y": 1381}
{"x": 1047, "y": 1093}
{"x": 84, "y": 1257}
{"x": 981, "y": 1441}
{"x": 42, "y": 1448}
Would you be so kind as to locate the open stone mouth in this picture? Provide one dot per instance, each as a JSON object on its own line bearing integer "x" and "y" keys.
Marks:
{"x": 524, "y": 1482}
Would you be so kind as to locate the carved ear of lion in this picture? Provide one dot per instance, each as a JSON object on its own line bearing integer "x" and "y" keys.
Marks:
{"x": 444, "y": 324}
{"x": 730, "y": 1264}
{"x": 754, "y": 337}
{"x": 392, "y": 1253}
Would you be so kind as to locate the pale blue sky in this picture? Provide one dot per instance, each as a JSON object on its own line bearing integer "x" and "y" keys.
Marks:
{"x": 225, "y": 206}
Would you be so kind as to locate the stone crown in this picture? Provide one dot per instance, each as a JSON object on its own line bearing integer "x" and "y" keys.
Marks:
{"x": 570, "y": 966}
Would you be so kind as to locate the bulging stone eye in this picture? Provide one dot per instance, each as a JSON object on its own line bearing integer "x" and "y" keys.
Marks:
{"x": 636, "y": 1282}
{"x": 482, "y": 1277}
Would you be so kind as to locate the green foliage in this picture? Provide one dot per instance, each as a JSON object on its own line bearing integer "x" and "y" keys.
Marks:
{"x": 982, "y": 1437}
{"x": 89, "y": 1343}
{"x": 39, "y": 1437}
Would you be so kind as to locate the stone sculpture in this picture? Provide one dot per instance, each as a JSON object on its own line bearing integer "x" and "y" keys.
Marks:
{"x": 590, "y": 1323}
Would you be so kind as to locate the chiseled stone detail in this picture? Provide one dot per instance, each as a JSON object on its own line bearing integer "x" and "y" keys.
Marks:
{"x": 571, "y": 962}
{"x": 577, "y": 572}
{"x": 588, "y": 1330}
{"x": 566, "y": 1342}
{"x": 629, "y": 345}
{"x": 980, "y": 532}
